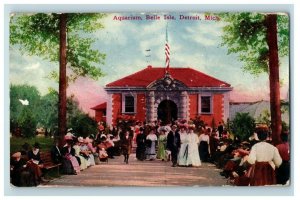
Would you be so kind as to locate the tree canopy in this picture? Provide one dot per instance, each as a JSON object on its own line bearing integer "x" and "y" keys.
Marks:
{"x": 260, "y": 39}
{"x": 38, "y": 34}
{"x": 246, "y": 35}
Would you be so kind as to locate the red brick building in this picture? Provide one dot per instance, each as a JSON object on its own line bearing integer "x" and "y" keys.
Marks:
{"x": 159, "y": 94}
{"x": 100, "y": 112}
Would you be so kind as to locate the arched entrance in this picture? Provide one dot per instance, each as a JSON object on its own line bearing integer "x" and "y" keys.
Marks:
{"x": 167, "y": 111}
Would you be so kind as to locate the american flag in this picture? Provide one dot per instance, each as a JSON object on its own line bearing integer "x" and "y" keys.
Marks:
{"x": 167, "y": 50}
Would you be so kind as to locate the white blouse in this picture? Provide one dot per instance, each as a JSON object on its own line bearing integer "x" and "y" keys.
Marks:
{"x": 265, "y": 152}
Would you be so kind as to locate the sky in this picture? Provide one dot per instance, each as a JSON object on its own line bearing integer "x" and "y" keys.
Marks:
{"x": 193, "y": 43}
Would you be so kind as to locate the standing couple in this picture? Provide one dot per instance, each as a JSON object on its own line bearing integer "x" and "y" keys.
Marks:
{"x": 183, "y": 145}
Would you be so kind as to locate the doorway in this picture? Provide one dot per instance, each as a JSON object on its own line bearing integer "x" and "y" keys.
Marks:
{"x": 167, "y": 111}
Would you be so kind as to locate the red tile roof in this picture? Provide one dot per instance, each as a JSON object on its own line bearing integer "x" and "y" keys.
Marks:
{"x": 101, "y": 106}
{"x": 190, "y": 77}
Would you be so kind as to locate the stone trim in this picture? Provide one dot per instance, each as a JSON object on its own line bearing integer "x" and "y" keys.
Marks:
{"x": 123, "y": 102}
{"x": 205, "y": 94}
{"x": 109, "y": 108}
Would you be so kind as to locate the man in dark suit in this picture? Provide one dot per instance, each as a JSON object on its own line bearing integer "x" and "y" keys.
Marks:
{"x": 220, "y": 130}
{"x": 173, "y": 144}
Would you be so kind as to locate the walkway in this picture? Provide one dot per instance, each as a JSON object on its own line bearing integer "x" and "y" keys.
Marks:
{"x": 141, "y": 173}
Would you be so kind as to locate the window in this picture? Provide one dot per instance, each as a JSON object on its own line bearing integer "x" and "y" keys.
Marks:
{"x": 128, "y": 103}
{"x": 205, "y": 104}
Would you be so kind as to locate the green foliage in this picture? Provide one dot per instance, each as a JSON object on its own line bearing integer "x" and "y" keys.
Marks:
{"x": 83, "y": 125}
{"x": 38, "y": 34}
{"x": 27, "y": 122}
{"x": 42, "y": 111}
{"x": 243, "y": 126}
{"x": 265, "y": 118}
{"x": 17, "y": 142}
{"x": 245, "y": 34}
{"x": 23, "y": 117}
{"x": 48, "y": 109}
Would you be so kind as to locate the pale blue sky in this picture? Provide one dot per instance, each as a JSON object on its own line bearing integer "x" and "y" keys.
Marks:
{"x": 193, "y": 43}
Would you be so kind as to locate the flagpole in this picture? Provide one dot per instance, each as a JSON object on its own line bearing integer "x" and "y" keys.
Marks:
{"x": 167, "y": 51}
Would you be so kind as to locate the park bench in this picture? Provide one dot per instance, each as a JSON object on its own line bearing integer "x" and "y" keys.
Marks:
{"x": 48, "y": 163}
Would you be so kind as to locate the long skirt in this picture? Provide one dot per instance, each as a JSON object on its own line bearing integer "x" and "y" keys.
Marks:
{"x": 141, "y": 152}
{"x": 263, "y": 174}
{"x": 150, "y": 151}
{"x": 183, "y": 155}
{"x": 67, "y": 167}
{"x": 161, "y": 152}
{"x": 75, "y": 164}
{"x": 203, "y": 151}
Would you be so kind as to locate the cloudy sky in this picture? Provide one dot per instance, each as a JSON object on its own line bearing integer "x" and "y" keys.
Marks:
{"x": 193, "y": 43}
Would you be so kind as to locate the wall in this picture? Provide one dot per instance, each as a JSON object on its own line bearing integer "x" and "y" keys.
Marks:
{"x": 116, "y": 106}
{"x": 141, "y": 107}
{"x": 218, "y": 109}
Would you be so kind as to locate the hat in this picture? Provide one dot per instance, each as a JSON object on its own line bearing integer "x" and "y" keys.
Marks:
{"x": 192, "y": 126}
{"x": 184, "y": 126}
{"x": 69, "y": 136}
{"x": 36, "y": 145}
{"x": 16, "y": 155}
{"x": 87, "y": 140}
{"x": 80, "y": 139}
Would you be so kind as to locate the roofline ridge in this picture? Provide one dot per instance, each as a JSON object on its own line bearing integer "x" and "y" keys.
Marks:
{"x": 209, "y": 76}
{"x": 126, "y": 77}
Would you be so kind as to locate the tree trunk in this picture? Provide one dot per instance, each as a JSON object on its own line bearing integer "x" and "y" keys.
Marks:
{"x": 271, "y": 24}
{"x": 62, "y": 100}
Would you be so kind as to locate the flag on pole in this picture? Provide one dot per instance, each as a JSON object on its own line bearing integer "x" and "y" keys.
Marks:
{"x": 167, "y": 51}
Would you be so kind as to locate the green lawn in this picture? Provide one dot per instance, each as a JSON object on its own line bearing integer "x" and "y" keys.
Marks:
{"x": 17, "y": 142}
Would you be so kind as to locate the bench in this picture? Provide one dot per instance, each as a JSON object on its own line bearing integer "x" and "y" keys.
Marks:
{"x": 48, "y": 163}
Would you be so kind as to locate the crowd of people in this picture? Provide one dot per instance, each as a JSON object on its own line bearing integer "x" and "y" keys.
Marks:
{"x": 255, "y": 162}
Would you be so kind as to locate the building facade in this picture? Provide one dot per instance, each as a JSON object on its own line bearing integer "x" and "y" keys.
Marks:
{"x": 156, "y": 93}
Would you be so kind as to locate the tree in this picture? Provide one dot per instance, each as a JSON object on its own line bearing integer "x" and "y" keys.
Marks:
{"x": 243, "y": 126}
{"x": 83, "y": 125}
{"x": 259, "y": 39}
{"x": 47, "y": 116}
{"x": 60, "y": 38}
{"x": 19, "y": 112}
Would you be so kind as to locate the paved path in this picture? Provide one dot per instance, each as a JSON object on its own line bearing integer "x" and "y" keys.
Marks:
{"x": 141, "y": 173}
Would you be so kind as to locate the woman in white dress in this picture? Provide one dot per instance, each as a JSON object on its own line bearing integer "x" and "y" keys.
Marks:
{"x": 83, "y": 161}
{"x": 183, "y": 152}
{"x": 151, "y": 140}
{"x": 193, "y": 153}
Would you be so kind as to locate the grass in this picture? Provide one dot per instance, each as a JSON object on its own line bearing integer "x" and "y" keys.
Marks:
{"x": 17, "y": 142}
{"x": 45, "y": 144}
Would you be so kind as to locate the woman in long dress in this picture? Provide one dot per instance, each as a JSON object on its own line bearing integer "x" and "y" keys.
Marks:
{"x": 264, "y": 158}
{"x": 162, "y": 143}
{"x": 83, "y": 161}
{"x": 193, "y": 153}
{"x": 183, "y": 152}
{"x": 68, "y": 153}
{"x": 126, "y": 145}
{"x": 141, "y": 145}
{"x": 151, "y": 141}
{"x": 204, "y": 146}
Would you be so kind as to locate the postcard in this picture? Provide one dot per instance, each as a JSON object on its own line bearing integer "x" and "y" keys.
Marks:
{"x": 149, "y": 99}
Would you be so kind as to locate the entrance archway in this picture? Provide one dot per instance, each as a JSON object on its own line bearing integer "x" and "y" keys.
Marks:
{"x": 167, "y": 111}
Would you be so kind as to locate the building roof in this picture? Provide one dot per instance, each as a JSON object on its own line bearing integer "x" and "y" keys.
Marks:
{"x": 255, "y": 109}
{"x": 101, "y": 106}
{"x": 190, "y": 77}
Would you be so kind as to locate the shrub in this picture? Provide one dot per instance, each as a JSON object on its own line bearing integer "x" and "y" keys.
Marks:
{"x": 243, "y": 126}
